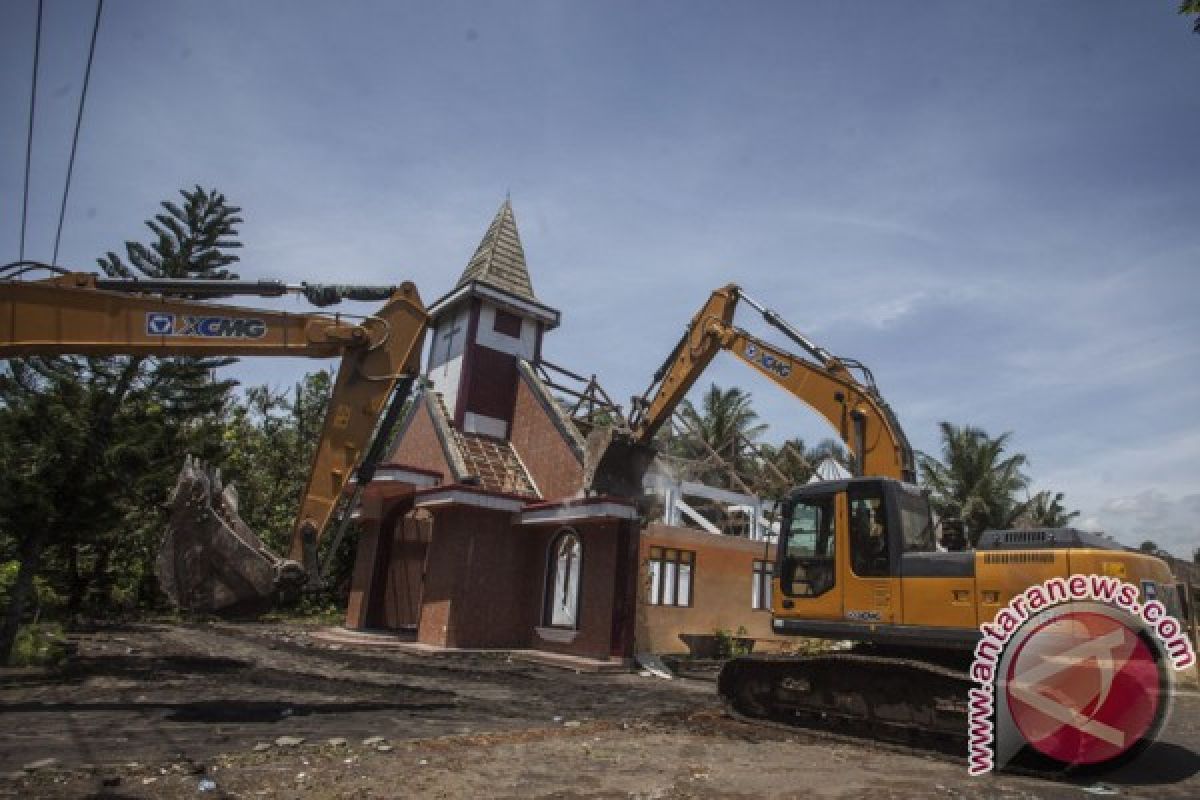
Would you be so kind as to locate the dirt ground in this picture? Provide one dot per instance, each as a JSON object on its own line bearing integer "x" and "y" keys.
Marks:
{"x": 265, "y": 711}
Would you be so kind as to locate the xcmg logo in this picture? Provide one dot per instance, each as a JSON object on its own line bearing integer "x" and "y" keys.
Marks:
{"x": 160, "y": 324}
{"x": 769, "y": 362}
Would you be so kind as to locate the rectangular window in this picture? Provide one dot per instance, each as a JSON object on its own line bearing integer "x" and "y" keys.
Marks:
{"x": 869, "y": 534}
{"x": 671, "y": 572}
{"x": 916, "y": 524}
{"x": 508, "y": 324}
{"x": 807, "y": 567}
{"x": 683, "y": 595}
{"x": 760, "y": 593}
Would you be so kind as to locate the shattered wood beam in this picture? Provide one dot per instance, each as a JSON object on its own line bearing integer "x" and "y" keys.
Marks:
{"x": 736, "y": 478}
{"x": 563, "y": 370}
{"x": 782, "y": 480}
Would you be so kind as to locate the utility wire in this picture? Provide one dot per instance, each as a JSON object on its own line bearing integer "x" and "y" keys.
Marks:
{"x": 87, "y": 74}
{"x": 37, "y": 48}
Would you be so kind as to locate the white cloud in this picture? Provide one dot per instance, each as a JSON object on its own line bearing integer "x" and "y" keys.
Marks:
{"x": 1134, "y": 493}
{"x": 1151, "y": 514}
{"x": 1147, "y": 506}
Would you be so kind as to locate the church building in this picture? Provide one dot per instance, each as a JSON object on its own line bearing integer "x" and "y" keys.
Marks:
{"x": 475, "y": 534}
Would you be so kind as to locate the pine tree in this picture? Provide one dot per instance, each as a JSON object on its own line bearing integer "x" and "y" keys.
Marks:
{"x": 117, "y": 426}
{"x": 272, "y": 439}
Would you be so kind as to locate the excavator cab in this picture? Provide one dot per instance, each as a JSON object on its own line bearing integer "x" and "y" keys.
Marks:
{"x": 843, "y": 555}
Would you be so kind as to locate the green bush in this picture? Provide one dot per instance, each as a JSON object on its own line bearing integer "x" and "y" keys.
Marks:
{"x": 43, "y": 598}
{"x": 8, "y": 576}
{"x": 732, "y": 645}
{"x": 321, "y": 608}
{"x": 39, "y": 646}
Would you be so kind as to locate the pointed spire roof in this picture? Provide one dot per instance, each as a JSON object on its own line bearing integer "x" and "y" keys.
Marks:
{"x": 499, "y": 261}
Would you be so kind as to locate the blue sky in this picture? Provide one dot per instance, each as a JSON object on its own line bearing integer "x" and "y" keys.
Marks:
{"x": 992, "y": 206}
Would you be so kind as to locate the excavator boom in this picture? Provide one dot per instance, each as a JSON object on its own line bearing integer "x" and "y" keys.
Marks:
{"x": 617, "y": 459}
{"x": 212, "y": 561}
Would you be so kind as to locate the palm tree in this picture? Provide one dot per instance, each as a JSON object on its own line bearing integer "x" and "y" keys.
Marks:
{"x": 975, "y": 481}
{"x": 724, "y": 424}
{"x": 1046, "y": 510}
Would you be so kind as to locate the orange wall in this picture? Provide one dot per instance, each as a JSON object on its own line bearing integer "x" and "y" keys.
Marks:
{"x": 721, "y": 591}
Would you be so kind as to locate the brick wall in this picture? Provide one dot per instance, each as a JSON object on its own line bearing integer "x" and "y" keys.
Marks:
{"x": 485, "y": 581}
{"x": 477, "y": 589}
{"x": 546, "y": 455}
{"x": 419, "y": 445}
{"x": 361, "y": 580}
{"x": 594, "y": 636}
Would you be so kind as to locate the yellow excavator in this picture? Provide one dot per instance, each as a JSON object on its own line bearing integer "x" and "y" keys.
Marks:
{"x": 210, "y": 560}
{"x": 858, "y": 559}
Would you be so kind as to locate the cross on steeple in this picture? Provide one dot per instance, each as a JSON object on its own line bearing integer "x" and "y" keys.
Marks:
{"x": 448, "y": 337}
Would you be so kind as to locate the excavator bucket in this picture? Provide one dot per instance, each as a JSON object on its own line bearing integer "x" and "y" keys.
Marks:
{"x": 614, "y": 464}
{"x": 210, "y": 561}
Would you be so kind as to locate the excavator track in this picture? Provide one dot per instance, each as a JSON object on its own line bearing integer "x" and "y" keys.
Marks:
{"x": 910, "y": 703}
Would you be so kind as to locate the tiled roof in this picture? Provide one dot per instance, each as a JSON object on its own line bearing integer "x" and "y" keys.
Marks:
{"x": 499, "y": 261}
{"x": 491, "y": 460}
{"x": 495, "y": 463}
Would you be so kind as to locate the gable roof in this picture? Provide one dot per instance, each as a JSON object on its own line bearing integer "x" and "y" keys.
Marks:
{"x": 499, "y": 261}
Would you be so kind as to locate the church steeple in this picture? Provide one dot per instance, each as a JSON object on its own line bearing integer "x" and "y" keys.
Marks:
{"x": 478, "y": 331}
{"x": 499, "y": 261}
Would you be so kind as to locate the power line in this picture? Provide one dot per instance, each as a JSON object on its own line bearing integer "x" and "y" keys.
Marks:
{"x": 87, "y": 74}
{"x": 37, "y": 48}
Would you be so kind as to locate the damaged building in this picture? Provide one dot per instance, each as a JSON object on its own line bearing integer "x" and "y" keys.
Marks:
{"x": 476, "y": 532}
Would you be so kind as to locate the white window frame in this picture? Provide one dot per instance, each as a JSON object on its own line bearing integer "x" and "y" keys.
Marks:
{"x": 760, "y": 588}
{"x": 671, "y": 574}
{"x": 564, "y": 615}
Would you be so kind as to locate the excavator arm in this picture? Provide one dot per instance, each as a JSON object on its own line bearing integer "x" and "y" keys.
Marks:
{"x": 71, "y": 314}
{"x": 855, "y": 409}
